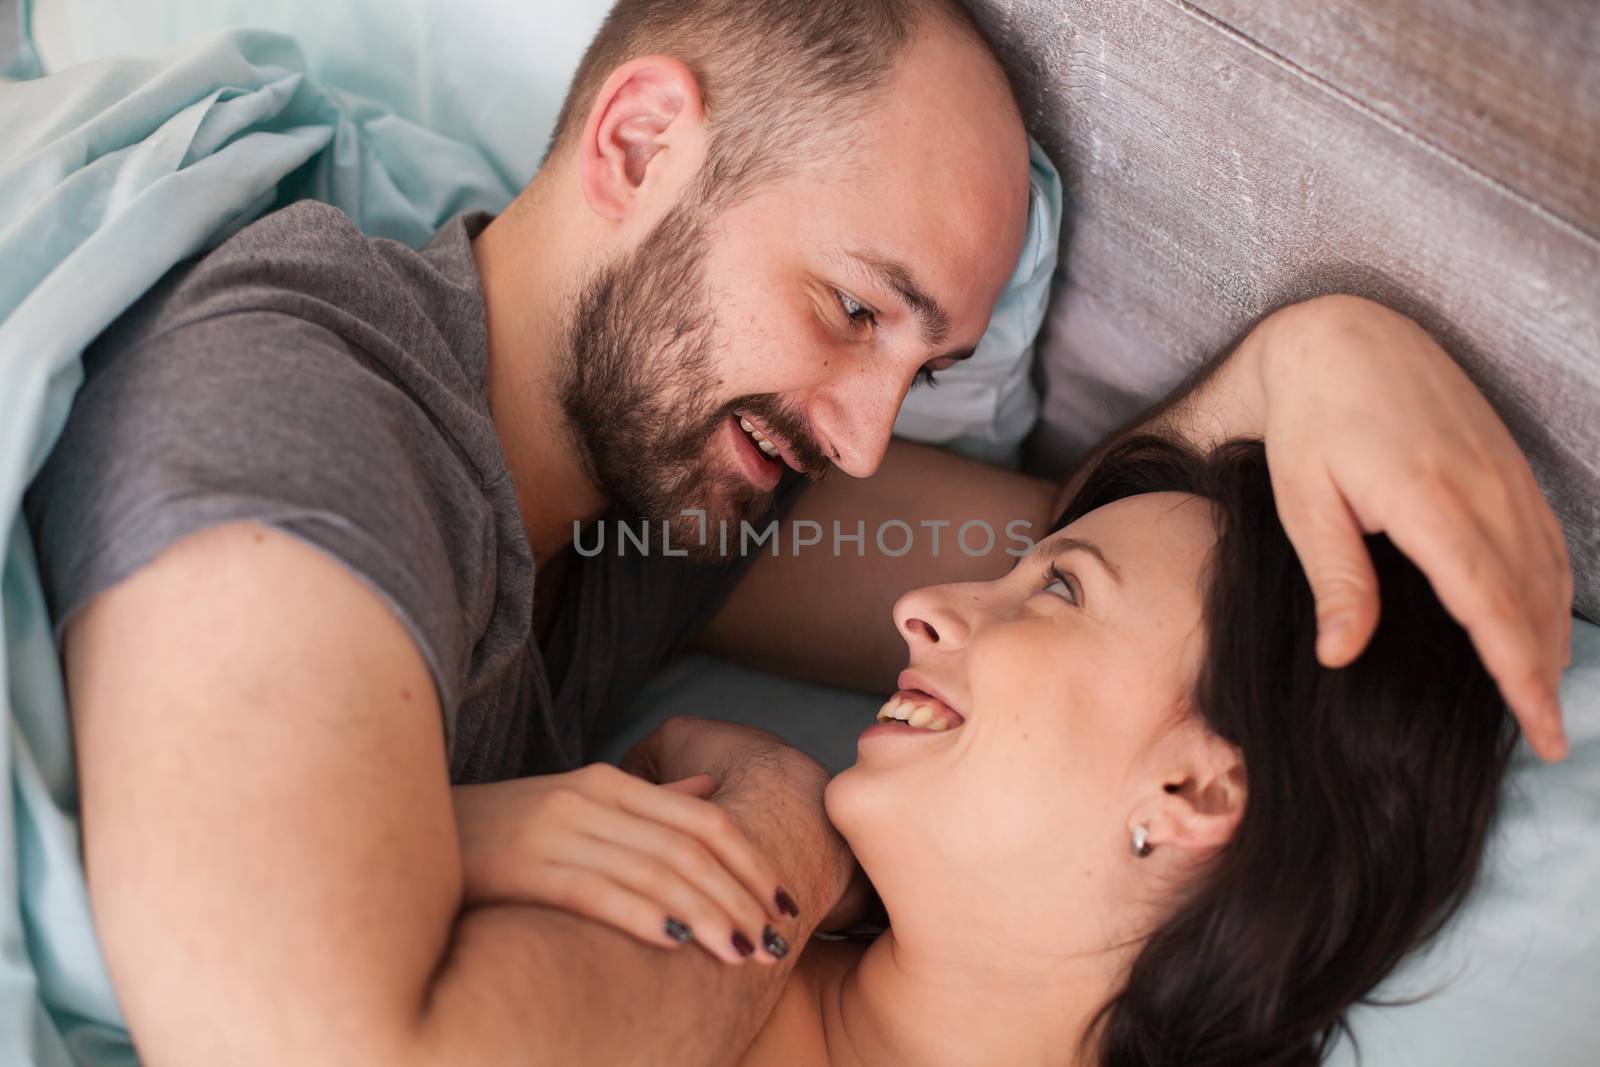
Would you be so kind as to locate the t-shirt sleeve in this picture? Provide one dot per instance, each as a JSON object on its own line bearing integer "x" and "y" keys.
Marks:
{"x": 259, "y": 416}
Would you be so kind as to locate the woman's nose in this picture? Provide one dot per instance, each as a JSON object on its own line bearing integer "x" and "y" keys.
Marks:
{"x": 932, "y": 616}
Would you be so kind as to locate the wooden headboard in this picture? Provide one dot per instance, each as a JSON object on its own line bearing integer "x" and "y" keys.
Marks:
{"x": 1227, "y": 156}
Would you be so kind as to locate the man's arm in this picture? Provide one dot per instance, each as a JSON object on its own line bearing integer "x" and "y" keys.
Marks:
{"x": 271, "y": 848}
{"x": 1369, "y": 427}
{"x": 835, "y": 625}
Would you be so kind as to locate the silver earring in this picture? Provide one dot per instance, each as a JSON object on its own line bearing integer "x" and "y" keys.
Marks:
{"x": 1141, "y": 841}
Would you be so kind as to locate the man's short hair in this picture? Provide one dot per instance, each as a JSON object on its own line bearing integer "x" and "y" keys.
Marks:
{"x": 779, "y": 78}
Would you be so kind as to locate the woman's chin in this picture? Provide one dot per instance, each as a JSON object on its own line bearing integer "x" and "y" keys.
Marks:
{"x": 850, "y": 799}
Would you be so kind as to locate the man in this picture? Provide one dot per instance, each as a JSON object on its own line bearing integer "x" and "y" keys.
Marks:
{"x": 307, "y": 535}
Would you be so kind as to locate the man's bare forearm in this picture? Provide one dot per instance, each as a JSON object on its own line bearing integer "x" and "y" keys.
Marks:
{"x": 536, "y": 985}
{"x": 1226, "y": 397}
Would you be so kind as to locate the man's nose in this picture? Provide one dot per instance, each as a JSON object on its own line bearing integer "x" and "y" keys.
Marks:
{"x": 855, "y": 419}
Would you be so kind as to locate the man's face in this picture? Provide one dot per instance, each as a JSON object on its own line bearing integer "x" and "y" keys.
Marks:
{"x": 785, "y": 331}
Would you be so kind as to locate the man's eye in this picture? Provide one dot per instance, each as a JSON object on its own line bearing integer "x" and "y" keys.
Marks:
{"x": 854, "y": 310}
{"x": 1063, "y": 585}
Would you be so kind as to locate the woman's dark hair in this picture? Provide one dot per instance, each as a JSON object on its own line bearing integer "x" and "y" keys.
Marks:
{"x": 1371, "y": 789}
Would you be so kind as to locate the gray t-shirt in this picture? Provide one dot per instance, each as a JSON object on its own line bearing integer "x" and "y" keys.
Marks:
{"x": 335, "y": 387}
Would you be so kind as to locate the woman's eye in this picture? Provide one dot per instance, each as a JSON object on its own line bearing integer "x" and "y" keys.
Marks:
{"x": 854, "y": 310}
{"x": 1063, "y": 585}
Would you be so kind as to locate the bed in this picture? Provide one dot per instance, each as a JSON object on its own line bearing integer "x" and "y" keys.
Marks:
{"x": 1218, "y": 159}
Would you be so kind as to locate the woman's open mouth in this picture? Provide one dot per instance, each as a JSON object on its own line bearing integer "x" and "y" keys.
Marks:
{"x": 920, "y": 711}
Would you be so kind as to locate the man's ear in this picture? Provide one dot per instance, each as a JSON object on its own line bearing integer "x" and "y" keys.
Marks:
{"x": 1195, "y": 807}
{"x": 644, "y": 139}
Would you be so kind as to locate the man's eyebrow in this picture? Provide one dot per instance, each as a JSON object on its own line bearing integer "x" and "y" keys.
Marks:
{"x": 1063, "y": 545}
{"x": 897, "y": 276}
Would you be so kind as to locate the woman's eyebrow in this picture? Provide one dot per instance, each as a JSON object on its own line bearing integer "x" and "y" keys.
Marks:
{"x": 1063, "y": 545}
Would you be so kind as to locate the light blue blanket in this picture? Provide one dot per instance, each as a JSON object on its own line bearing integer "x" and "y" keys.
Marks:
{"x": 111, "y": 173}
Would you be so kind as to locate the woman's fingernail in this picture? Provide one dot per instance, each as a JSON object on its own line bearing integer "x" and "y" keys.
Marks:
{"x": 774, "y": 943}
{"x": 741, "y": 944}
{"x": 678, "y": 931}
{"x": 786, "y": 903}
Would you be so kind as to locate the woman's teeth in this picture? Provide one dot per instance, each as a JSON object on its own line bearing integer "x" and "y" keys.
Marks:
{"x": 758, "y": 437}
{"x": 912, "y": 713}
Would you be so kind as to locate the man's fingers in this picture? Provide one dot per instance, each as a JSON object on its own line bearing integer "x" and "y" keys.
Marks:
{"x": 1328, "y": 540}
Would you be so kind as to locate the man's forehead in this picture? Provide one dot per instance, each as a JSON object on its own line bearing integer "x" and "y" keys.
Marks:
{"x": 958, "y": 228}
{"x": 944, "y": 250}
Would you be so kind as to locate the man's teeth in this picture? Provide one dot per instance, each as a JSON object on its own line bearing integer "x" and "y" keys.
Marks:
{"x": 912, "y": 713}
{"x": 758, "y": 437}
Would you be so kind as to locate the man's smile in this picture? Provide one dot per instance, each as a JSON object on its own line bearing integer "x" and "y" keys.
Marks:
{"x": 759, "y": 466}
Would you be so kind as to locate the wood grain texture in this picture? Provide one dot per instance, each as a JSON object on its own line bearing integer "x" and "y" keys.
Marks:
{"x": 1512, "y": 87}
{"x": 1209, "y": 181}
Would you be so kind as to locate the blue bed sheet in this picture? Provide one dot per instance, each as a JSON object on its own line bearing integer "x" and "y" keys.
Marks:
{"x": 111, "y": 173}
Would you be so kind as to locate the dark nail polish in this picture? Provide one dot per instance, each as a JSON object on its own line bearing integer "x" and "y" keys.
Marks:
{"x": 774, "y": 943}
{"x": 741, "y": 944}
{"x": 786, "y": 903}
{"x": 676, "y": 930}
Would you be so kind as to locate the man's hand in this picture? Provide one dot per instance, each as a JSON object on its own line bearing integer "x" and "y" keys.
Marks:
{"x": 1369, "y": 427}
{"x": 658, "y": 862}
{"x": 756, "y": 773}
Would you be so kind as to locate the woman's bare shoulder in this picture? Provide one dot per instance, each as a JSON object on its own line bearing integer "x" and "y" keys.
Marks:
{"x": 793, "y": 1035}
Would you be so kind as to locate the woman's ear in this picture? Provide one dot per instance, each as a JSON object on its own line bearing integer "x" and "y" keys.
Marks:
{"x": 644, "y": 139}
{"x": 1195, "y": 807}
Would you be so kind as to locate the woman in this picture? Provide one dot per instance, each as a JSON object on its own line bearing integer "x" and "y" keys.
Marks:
{"x": 1118, "y": 814}
{"x": 1154, "y": 830}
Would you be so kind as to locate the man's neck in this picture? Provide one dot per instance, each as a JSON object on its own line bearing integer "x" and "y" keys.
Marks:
{"x": 519, "y": 258}
{"x": 901, "y": 1004}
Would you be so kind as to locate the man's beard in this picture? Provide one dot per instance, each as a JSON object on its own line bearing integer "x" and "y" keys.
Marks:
{"x": 640, "y": 386}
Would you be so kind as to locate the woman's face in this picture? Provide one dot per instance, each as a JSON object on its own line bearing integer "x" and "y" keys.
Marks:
{"x": 1061, "y": 689}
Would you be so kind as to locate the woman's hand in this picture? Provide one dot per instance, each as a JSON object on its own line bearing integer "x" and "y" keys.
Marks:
{"x": 1369, "y": 427}
{"x": 759, "y": 778}
{"x": 659, "y": 862}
